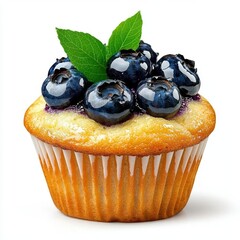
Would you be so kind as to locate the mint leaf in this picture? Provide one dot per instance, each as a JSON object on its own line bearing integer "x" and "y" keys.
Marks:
{"x": 127, "y": 35}
{"x": 86, "y": 53}
{"x": 89, "y": 55}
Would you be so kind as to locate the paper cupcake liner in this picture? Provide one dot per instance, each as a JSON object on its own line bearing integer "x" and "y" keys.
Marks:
{"x": 119, "y": 187}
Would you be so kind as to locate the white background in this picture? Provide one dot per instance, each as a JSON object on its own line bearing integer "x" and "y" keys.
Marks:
{"x": 206, "y": 31}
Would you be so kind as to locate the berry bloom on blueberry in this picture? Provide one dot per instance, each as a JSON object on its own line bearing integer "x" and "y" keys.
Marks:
{"x": 128, "y": 66}
{"x": 181, "y": 71}
{"x": 64, "y": 87}
{"x": 60, "y": 63}
{"x": 109, "y": 102}
{"x": 159, "y": 97}
{"x": 147, "y": 50}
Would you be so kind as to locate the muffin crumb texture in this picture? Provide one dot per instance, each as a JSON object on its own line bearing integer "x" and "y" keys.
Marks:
{"x": 141, "y": 135}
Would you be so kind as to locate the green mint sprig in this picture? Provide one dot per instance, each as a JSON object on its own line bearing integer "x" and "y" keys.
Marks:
{"x": 86, "y": 53}
{"x": 126, "y": 35}
{"x": 89, "y": 55}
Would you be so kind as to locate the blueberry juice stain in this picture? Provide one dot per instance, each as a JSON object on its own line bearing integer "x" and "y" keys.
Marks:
{"x": 185, "y": 102}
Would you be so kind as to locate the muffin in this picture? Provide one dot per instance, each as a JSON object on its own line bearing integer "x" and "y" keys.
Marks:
{"x": 126, "y": 148}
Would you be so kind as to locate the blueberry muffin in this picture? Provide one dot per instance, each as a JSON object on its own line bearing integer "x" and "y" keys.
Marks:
{"x": 124, "y": 148}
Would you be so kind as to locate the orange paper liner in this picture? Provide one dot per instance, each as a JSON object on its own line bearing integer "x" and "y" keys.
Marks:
{"x": 119, "y": 187}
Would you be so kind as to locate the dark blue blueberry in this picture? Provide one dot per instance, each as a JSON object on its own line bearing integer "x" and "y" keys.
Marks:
{"x": 159, "y": 97}
{"x": 181, "y": 71}
{"x": 63, "y": 88}
{"x": 60, "y": 63}
{"x": 109, "y": 102}
{"x": 128, "y": 66}
{"x": 147, "y": 50}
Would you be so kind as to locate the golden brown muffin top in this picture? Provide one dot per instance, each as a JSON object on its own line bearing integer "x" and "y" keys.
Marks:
{"x": 141, "y": 135}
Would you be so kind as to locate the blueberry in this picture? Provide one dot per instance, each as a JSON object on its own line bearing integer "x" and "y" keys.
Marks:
{"x": 109, "y": 102}
{"x": 181, "y": 71}
{"x": 159, "y": 97}
{"x": 128, "y": 66}
{"x": 147, "y": 50}
{"x": 63, "y": 88}
{"x": 60, "y": 63}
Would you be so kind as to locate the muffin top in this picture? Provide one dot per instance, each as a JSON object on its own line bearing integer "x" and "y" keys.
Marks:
{"x": 141, "y": 135}
{"x": 120, "y": 97}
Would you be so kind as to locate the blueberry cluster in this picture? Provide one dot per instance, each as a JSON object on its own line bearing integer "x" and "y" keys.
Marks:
{"x": 138, "y": 82}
